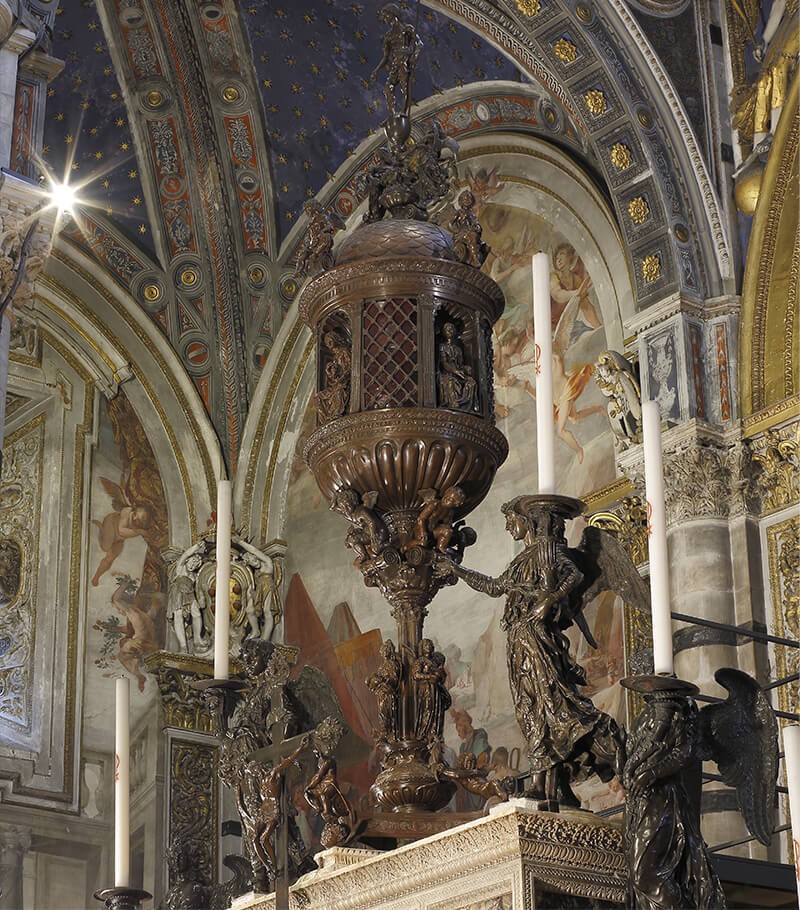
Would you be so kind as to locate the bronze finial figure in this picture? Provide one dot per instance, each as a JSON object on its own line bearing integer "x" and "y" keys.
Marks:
{"x": 467, "y": 232}
{"x": 457, "y": 386}
{"x": 567, "y": 737}
{"x": 436, "y": 519}
{"x": 668, "y": 861}
{"x": 401, "y": 50}
{"x": 317, "y": 250}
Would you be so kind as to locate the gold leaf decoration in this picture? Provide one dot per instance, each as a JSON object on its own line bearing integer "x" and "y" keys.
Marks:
{"x": 596, "y": 101}
{"x": 565, "y": 50}
{"x": 638, "y": 209}
{"x": 529, "y": 7}
{"x": 620, "y": 156}
{"x": 651, "y": 267}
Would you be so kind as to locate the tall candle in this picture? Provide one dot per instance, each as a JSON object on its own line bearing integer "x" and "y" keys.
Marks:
{"x": 657, "y": 538}
{"x": 122, "y": 783}
{"x": 222, "y": 614}
{"x": 791, "y": 749}
{"x": 543, "y": 336}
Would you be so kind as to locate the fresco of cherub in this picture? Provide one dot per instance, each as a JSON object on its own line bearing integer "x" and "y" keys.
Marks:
{"x": 125, "y": 521}
{"x": 140, "y": 637}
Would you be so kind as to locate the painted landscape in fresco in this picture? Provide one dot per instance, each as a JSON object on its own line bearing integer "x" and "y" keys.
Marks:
{"x": 344, "y": 623}
{"x": 128, "y": 582}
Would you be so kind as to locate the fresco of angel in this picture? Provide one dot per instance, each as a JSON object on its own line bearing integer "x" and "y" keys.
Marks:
{"x": 124, "y": 522}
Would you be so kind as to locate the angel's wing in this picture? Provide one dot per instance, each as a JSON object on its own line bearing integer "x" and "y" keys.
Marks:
{"x": 118, "y": 499}
{"x": 741, "y": 736}
{"x": 606, "y": 566}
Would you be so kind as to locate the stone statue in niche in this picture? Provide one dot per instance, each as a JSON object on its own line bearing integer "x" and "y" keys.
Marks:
{"x": 546, "y": 591}
{"x": 467, "y": 232}
{"x": 367, "y": 535}
{"x": 385, "y": 685}
{"x": 457, "y": 386}
{"x": 317, "y": 249}
{"x": 323, "y": 792}
{"x": 333, "y": 398}
{"x": 616, "y": 379}
{"x": 401, "y": 49}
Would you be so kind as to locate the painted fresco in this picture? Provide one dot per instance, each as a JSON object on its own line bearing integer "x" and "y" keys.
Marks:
{"x": 466, "y": 625}
{"x": 127, "y": 586}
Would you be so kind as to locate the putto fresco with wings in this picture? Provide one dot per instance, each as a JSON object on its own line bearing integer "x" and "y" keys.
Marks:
{"x": 138, "y": 509}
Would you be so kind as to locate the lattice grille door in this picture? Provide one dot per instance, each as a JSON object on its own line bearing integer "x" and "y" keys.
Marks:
{"x": 390, "y": 378}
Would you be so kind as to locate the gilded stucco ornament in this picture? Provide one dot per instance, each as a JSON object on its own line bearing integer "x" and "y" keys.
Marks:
{"x": 620, "y": 156}
{"x": 616, "y": 378}
{"x": 565, "y": 50}
{"x": 529, "y": 7}
{"x": 596, "y": 102}
{"x": 651, "y": 267}
{"x": 639, "y": 210}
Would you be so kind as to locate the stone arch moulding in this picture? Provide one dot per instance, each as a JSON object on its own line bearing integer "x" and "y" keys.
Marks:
{"x": 641, "y": 109}
{"x": 121, "y": 345}
{"x": 544, "y": 180}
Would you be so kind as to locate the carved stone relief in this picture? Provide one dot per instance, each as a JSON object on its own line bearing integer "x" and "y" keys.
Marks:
{"x": 783, "y": 554}
{"x": 20, "y": 496}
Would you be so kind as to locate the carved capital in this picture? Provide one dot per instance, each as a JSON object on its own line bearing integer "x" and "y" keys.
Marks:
{"x": 706, "y": 473}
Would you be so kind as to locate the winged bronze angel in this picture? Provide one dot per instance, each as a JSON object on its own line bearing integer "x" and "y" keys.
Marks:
{"x": 668, "y": 860}
{"x": 547, "y": 587}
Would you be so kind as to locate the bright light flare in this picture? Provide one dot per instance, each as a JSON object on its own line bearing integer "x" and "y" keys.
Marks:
{"x": 63, "y": 197}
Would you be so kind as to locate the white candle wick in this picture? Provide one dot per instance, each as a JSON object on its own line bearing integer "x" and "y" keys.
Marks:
{"x": 223, "y": 581}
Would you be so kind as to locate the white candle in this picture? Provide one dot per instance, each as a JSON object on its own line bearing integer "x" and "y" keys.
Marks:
{"x": 122, "y": 783}
{"x": 791, "y": 748}
{"x": 657, "y": 538}
{"x": 222, "y": 606}
{"x": 543, "y": 336}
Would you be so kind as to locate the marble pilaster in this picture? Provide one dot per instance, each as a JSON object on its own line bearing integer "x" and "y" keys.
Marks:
{"x": 14, "y": 844}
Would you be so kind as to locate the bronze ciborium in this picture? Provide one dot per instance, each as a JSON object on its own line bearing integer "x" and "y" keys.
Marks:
{"x": 405, "y": 444}
{"x": 405, "y": 447}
